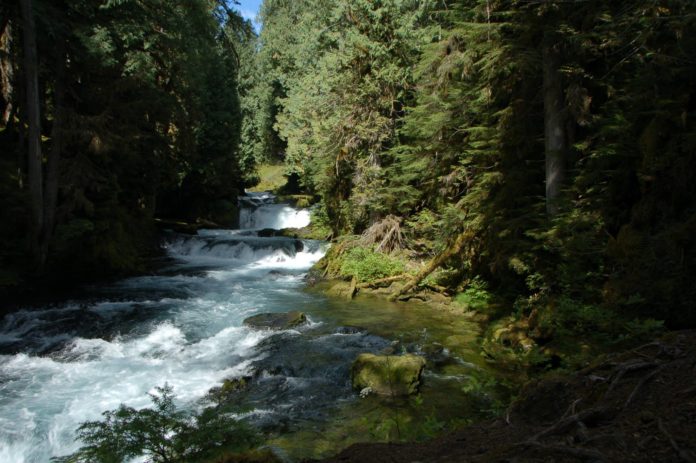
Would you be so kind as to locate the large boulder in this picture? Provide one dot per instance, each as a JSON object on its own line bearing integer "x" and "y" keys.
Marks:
{"x": 389, "y": 375}
{"x": 276, "y": 321}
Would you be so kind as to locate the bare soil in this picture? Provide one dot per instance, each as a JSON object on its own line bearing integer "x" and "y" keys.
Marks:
{"x": 637, "y": 406}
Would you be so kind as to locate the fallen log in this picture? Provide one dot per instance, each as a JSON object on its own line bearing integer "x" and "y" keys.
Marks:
{"x": 437, "y": 261}
{"x": 382, "y": 281}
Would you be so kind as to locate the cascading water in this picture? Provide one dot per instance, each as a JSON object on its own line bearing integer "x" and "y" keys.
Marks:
{"x": 66, "y": 364}
{"x": 261, "y": 212}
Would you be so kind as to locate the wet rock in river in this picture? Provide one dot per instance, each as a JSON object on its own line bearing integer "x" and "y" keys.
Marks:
{"x": 276, "y": 321}
{"x": 436, "y": 354}
{"x": 388, "y": 375}
{"x": 349, "y": 330}
{"x": 266, "y": 233}
{"x": 229, "y": 387}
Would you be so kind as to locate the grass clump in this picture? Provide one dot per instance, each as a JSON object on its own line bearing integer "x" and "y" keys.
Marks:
{"x": 366, "y": 265}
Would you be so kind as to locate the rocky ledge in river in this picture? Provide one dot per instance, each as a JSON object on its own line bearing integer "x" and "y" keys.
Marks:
{"x": 276, "y": 321}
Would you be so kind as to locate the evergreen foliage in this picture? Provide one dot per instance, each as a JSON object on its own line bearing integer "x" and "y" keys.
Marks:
{"x": 162, "y": 434}
{"x": 140, "y": 116}
{"x": 449, "y": 115}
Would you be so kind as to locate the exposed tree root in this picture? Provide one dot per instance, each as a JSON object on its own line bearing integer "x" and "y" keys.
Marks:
{"x": 624, "y": 368}
{"x": 564, "y": 424}
{"x": 640, "y": 384}
{"x": 685, "y": 455}
{"x": 577, "y": 452}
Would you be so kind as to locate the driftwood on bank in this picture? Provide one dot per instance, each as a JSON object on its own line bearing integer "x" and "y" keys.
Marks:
{"x": 384, "y": 281}
{"x": 437, "y": 261}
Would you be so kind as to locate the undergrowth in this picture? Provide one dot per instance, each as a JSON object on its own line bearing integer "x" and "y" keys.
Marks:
{"x": 366, "y": 265}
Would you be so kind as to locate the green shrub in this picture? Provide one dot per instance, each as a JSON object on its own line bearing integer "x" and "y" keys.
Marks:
{"x": 475, "y": 297}
{"x": 367, "y": 265}
{"x": 163, "y": 434}
{"x": 320, "y": 221}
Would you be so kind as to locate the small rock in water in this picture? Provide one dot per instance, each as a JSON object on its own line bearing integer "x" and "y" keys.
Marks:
{"x": 275, "y": 274}
{"x": 276, "y": 321}
{"x": 349, "y": 330}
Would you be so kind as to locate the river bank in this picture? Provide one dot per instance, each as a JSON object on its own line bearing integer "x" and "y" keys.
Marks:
{"x": 637, "y": 406}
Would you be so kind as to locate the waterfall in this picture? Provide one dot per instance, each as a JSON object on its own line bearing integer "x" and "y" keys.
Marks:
{"x": 259, "y": 211}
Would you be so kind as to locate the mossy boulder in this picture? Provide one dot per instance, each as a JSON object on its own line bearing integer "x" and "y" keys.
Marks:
{"x": 229, "y": 388}
{"x": 341, "y": 289}
{"x": 276, "y": 321}
{"x": 388, "y": 375}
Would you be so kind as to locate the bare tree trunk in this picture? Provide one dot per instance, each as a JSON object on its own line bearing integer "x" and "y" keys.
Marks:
{"x": 555, "y": 141}
{"x": 57, "y": 135}
{"x": 6, "y": 76}
{"x": 31, "y": 75}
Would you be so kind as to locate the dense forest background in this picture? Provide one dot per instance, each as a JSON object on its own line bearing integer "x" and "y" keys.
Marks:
{"x": 543, "y": 149}
{"x": 114, "y": 113}
{"x": 538, "y": 152}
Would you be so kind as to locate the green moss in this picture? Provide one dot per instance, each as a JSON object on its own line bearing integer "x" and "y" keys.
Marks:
{"x": 388, "y": 375}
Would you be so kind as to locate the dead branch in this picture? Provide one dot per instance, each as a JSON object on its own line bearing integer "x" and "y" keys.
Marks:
{"x": 386, "y": 234}
{"x": 353, "y": 288}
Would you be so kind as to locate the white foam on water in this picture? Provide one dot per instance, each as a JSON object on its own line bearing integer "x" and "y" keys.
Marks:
{"x": 50, "y": 397}
{"x": 187, "y": 333}
{"x": 276, "y": 216}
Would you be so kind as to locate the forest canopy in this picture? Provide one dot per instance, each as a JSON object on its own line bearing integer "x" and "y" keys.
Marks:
{"x": 542, "y": 150}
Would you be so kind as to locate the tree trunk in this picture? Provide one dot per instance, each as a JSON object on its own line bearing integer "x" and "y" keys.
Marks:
{"x": 437, "y": 261}
{"x": 555, "y": 141}
{"x": 6, "y": 75}
{"x": 34, "y": 176}
{"x": 57, "y": 134}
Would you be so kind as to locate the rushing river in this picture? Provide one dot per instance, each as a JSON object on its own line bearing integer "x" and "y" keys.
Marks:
{"x": 65, "y": 364}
